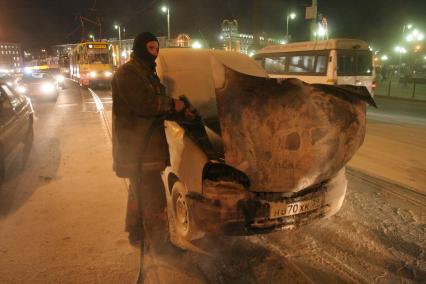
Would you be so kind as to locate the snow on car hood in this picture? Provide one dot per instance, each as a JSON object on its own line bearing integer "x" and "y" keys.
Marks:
{"x": 291, "y": 135}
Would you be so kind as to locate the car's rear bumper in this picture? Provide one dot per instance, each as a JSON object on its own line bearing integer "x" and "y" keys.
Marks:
{"x": 223, "y": 210}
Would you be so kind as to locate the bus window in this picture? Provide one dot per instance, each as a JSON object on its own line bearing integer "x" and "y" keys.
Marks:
{"x": 346, "y": 64}
{"x": 350, "y": 64}
{"x": 322, "y": 62}
{"x": 275, "y": 64}
{"x": 364, "y": 66}
{"x": 301, "y": 63}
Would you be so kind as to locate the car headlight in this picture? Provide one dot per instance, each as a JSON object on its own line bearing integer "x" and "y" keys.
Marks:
{"x": 21, "y": 89}
{"x": 93, "y": 74}
{"x": 47, "y": 88}
{"x": 108, "y": 74}
{"x": 60, "y": 78}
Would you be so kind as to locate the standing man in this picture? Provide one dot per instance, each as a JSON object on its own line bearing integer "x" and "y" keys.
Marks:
{"x": 138, "y": 139}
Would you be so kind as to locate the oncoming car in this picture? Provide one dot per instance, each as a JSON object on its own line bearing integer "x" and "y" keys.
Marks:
{"x": 261, "y": 155}
{"x": 36, "y": 85}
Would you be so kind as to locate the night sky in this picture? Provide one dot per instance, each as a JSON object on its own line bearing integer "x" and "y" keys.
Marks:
{"x": 41, "y": 23}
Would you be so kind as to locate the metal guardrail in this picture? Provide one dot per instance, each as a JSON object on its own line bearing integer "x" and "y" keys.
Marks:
{"x": 409, "y": 88}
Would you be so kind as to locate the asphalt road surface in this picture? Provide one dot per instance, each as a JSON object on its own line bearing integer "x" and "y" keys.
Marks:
{"x": 62, "y": 219}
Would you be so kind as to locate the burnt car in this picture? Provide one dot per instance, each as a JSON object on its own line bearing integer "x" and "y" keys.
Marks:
{"x": 260, "y": 155}
{"x": 16, "y": 124}
{"x": 38, "y": 85}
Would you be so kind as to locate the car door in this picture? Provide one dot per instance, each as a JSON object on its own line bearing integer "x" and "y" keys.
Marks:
{"x": 22, "y": 113}
{"x": 9, "y": 129}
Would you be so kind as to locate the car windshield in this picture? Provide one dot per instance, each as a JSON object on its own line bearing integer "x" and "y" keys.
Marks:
{"x": 35, "y": 77}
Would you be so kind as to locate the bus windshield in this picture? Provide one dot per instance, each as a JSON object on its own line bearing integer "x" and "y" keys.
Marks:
{"x": 354, "y": 63}
{"x": 99, "y": 56}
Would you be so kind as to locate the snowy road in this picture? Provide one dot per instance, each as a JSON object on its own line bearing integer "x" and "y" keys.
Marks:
{"x": 61, "y": 221}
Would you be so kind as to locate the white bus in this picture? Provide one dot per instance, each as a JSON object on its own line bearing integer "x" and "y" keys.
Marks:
{"x": 334, "y": 61}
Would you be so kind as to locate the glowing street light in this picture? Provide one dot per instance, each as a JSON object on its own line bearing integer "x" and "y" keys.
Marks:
{"x": 166, "y": 9}
{"x": 197, "y": 44}
{"x": 92, "y": 37}
{"x": 321, "y": 31}
{"x": 384, "y": 57}
{"x": 415, "y": 35}
{"x": 400, "y": 49}
{"x": 291, "y": 16}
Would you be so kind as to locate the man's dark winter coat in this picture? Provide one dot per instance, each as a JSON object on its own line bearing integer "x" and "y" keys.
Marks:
{"x": 139, "y": 100}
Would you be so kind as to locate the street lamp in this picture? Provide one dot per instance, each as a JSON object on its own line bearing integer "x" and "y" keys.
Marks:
{"x": 166, "y": 9}
{"x": 118, "y": 27}
{"x": 92, "y": 37}
{"x": 291, "y": 16}
{"x": 197, "y": 45}
{"x": 401, "y": 50}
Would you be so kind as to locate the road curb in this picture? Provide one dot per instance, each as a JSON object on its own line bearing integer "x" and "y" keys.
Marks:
{"x": 359, "y": 171}
{"x": 399, "y": 98}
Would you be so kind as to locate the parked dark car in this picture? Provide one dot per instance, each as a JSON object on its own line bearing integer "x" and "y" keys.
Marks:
{"x": 16, "y": 124}
{"x": 36, "y": 85}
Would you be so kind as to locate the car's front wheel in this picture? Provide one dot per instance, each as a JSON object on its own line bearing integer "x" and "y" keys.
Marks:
{"x": 181, "y": 223}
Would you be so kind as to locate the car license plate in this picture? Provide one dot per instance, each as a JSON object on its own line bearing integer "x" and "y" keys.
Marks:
{"x": 279, "y": 209}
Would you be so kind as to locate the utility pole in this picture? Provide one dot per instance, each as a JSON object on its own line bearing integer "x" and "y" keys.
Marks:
{"x": 314, "y": 20}
{"x": 256, "y": 42}
{"x": 118, "y": 27}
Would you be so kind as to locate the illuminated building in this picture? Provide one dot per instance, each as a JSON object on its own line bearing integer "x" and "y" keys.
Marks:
{"x": 10, "y": 56}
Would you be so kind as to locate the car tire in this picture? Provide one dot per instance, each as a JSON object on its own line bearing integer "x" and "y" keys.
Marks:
{"x": 182, "y": 227}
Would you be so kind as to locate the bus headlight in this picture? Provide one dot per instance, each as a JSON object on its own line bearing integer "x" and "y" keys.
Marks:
{"x": 93, "y": 74}
{"x": 108, "y": 74}
{"x": 21, "y": 89}
{"x": 47, "y": 88}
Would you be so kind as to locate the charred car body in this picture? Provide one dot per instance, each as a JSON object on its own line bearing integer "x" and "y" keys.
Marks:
{"x": 262, "y": 155}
